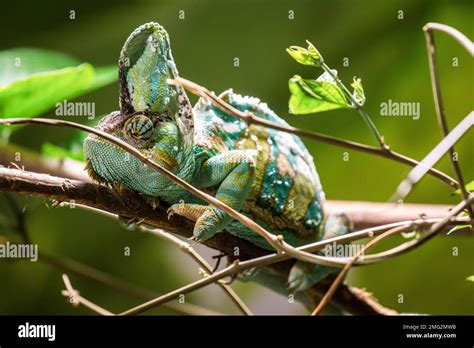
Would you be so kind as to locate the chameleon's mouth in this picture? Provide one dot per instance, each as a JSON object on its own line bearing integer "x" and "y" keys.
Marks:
{"x": 93, "y": 174}
{"x": 107, "y": 163}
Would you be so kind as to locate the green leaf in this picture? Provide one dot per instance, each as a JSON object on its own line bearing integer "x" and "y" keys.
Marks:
{"x": 309, "y": 56}
{"x": 72, "y": 149}
{"x": 311, "y": 96}
{"x": 458, "y": 227}
{"x": 410, "y": 235}
{"x": 32, "y": 81}
{"x": 18, "y": 63}
{"x": 37, "y": 93}
{"x": 469, "y": 188}
{"x": 358, "y": 93}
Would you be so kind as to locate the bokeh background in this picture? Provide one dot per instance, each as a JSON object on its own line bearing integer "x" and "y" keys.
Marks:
{"x": 389, "y": 55}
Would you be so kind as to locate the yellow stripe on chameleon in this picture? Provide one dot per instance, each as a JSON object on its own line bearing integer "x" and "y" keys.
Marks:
{"x": 299, "y": 197}
{"x": 256, "y": 138}
{"x": 160, "y": 156}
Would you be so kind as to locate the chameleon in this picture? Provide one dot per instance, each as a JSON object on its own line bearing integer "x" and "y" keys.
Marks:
{"x": 266, "y": 174}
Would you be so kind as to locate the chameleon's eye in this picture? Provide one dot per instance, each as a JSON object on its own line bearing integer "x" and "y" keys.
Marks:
{"x": 139, "y": 127}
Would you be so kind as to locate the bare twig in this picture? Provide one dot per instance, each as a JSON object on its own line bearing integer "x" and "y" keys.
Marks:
{"x": 77, "y": 299}
{"x": 433, "y": 157}
{"x": 456, "y": 34}
{"x": 187, "y": 248}
{"x": 250, "y": 118}
{"x": 437, "y": 96}
{"x": 340, "y": 277}
{"x": 120, "y": 285}
{"x": 237, "y": 266}
{"x": 434, "y": 229}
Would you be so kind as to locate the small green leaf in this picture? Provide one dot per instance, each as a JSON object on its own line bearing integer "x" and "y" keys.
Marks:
{"x": 311, "y": 96}
{"x": 470, "y": 278}
{"x": 458, "y": 227}
{"x": 358, "y": 93}
{"x": 410, "y": 235}
{"x": 469, "y": 188}
{"x": 309, "y": 56}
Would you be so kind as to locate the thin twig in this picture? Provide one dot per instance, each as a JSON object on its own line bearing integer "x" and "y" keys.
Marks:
{"x": 238, "y": 266}
{"x": 250, "y": 119}
{"x": 77, "y": 299}
{"x": 120, "y": 285}
{"x": 433, "y": 230}
{"x": 187, "y": 248}
{"x": 433, "y": 157}
{"x": 340, "y": 277}
{"x": 437, "y": 96}
{"x": 462, "y": 39}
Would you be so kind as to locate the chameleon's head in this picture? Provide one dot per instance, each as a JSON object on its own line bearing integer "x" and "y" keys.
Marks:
{"x": 146, "y": 99}
{"x": 109, "y": 163}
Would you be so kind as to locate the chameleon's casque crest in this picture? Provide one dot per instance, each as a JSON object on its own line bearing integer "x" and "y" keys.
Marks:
{"x": 145, "y": 65}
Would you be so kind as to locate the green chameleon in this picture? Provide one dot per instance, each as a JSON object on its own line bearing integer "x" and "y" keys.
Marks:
{"x": 265, "y": 174}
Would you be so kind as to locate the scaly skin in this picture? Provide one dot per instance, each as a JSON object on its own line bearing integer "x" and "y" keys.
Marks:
{"x": 263, "y": 173}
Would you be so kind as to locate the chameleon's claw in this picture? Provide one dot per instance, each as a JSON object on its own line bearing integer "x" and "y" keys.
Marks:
{"x": 170, "y": 212}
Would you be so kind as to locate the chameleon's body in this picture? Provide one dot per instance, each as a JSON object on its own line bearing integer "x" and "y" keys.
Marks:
{"x": 266, "y": 174}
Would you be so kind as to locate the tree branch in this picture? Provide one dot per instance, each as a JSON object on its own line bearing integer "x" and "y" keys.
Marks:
{"x": 129, "y": 204}
{"x": 437, "y": 96}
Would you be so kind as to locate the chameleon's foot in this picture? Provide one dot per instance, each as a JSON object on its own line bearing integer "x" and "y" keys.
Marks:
{"x": 208, "y": 220}
{"x": 208, "y": 224}
{"x": 189, "y": 211}
{"x": 304, "y": 275}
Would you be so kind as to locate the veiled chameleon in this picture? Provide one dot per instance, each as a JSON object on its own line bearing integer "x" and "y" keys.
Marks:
{"x": 266, "y": 174}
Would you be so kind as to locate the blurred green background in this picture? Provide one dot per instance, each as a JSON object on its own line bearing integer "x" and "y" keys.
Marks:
{"x": 389, "y": 55}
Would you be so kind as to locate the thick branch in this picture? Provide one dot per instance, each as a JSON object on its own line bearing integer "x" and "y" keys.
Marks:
{"x": 131, "y": 205}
